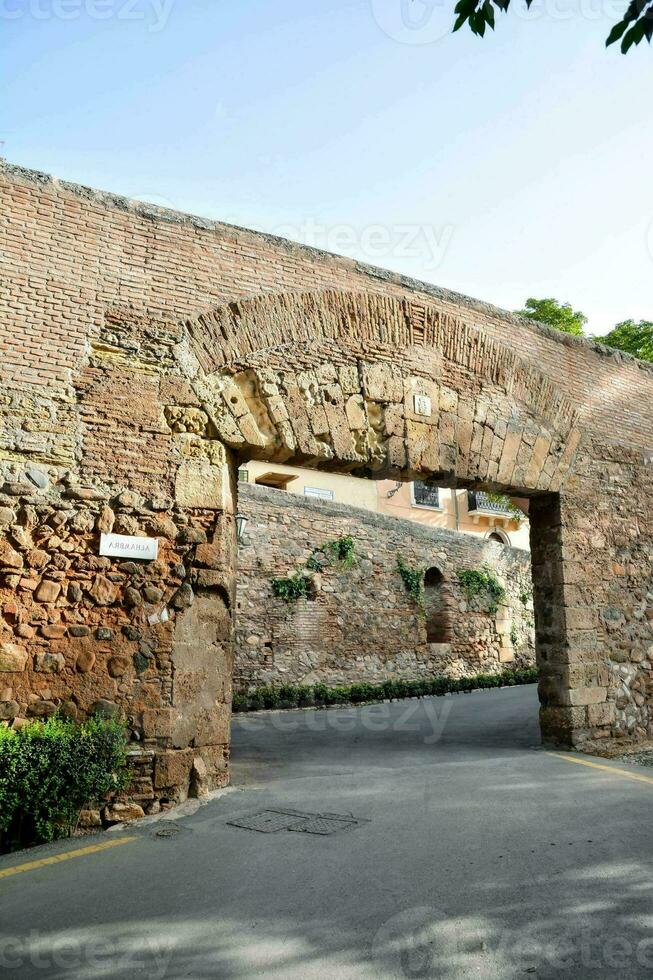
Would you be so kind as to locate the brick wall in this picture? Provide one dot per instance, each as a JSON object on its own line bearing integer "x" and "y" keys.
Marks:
{"x": 151, "y": 352}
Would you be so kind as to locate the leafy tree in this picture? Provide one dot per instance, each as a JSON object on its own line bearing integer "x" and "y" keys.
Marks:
{"x": 634, "y": 338}
{"x": 635, "y": 25}
{"x": 560, "y": 316}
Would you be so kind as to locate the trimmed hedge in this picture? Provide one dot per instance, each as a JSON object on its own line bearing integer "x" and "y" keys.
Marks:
{"x": 51, "y": 770}
{"x": 319, "y": 695}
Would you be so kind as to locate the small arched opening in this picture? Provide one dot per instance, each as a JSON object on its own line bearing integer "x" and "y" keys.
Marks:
{"x": 438, "y": 627}
{"x": 500, "y": 536}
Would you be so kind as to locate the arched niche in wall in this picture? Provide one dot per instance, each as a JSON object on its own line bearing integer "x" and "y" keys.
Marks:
{"x": 436, "y": 607}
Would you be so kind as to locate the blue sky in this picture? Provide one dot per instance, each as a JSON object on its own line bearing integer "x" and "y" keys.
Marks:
{"x": 506, "y": 167}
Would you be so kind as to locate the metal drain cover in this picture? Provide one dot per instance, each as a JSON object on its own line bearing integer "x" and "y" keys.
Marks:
{"x": 325, "y": 823}
{"x": 271, "y": 821}
{"x": 268, "y": 821}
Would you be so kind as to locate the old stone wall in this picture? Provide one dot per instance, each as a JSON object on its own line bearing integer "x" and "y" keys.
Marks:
{"x": 87, "y": 634}
{"x": 149, "y": 353}
{"x": 360, "y": 624}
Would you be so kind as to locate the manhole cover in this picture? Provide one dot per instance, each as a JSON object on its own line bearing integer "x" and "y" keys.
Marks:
{"x": 271, "y": 821}
{"x": 170, "y": 831}
{"x": 324, "y": 823}
{"x": 268, "y": 821}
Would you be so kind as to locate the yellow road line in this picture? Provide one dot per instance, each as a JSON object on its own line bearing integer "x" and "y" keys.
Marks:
{"x": 597, "y": 765}
{"x": 66, "y": 856}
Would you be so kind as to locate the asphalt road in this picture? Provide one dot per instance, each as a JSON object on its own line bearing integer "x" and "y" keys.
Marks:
{"x": 482, "y": 856}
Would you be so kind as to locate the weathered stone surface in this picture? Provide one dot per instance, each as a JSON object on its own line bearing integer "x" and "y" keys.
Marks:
{"x": 183, "y": 597}
{"x": 49, "y": 663}
{"x": 173, "y": 768}
{"x": 41, "y": 709}
{"x": 152, "y": 594}
{"x": 8, "y": 710}
{"x": 106, "y": 709}
{"x": 89, "y": 819}
{"x": 199, "y": 779}
{"x": 202, "y": 484}
{"x": 53, "y": 631}
{"x": 117, "y": 666}
{"x": 9, "y": 557}
{"x": 106, "y": 520}
{"x": 85, "y": 660}
{"x": 132, "y": 598}
{"x": 12, "y": 657}
{"x": 103, "y": 592}
{"x": 122, "y": 812}
{"x": 37, "y": 477}
{"x": 48, "y": 591}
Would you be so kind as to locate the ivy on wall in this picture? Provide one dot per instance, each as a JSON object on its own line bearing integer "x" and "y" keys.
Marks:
{"x": 413, "y": 579}
{"x": 483, "y": 584}
{"x": 299, "y": 585}
{"x": 296, "y": 586}
{"x": 342, "y": 550}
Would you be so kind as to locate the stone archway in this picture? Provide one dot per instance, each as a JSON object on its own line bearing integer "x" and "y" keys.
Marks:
{"x": 351, "y": 382}
{"x": 380, "y": 387}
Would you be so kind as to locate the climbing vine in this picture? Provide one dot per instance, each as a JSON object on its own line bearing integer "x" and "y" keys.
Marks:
{"x": 299, "y": 585}
{"x": 296, "y": 586}
{"x": 342, "y": 550}
{"x": 483, "y": 584}
{"x": 413, "y": 579}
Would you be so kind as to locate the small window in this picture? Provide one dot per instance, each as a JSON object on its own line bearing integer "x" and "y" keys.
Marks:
{"x": 426, "y": 495}
{"x": 318, "y": 492}
{"x": 243, "y": 476}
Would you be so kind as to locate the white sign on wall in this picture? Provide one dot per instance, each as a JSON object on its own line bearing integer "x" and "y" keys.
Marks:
{"x": 422, "y": 404}
{"x": 129, "y": 546}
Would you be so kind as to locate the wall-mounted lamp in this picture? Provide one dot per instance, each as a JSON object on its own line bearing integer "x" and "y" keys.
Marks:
{"x": 241, "y": 524}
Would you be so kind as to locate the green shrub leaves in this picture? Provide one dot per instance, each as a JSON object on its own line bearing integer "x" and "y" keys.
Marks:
{"x": 51, "y": 770}
{"x": 319, "y": 695}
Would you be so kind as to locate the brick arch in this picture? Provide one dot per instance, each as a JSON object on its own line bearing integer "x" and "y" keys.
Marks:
{"x": 330, "y": 379}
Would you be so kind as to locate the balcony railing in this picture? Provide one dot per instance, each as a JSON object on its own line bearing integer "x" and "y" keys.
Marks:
{"x": 478, "y": 502}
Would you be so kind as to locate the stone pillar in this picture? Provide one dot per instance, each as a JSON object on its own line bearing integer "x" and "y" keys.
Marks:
{"x": 571, "y": 563}
{"x": 202, "y": 649}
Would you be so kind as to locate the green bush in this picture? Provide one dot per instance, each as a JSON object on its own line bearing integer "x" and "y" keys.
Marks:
{"x": 51, "y": 770}
{"x": 297, "y": 696}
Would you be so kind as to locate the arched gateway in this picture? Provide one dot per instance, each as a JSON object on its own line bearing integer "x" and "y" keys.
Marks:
{"x": 155, "y": 412}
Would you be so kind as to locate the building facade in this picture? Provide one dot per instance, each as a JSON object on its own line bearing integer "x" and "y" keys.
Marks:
{"x": 467, "y": 511}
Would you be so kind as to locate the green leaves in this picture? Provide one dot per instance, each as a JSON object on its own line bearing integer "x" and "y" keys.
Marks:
{"x": 640, "y": 15}
{"x": 50, "y": 771}
{"x": 300, "y": 585}
{"x": 560, "y": 316}
{"x": 477, "y": 14}
{"x": 633, "y": 338}
{"x": 413, "y": 579}
{"x": 484, "y": 585}
{"x": 319, "y": 695}
{"x": 297, "y": 586}
{"x": 636, "y": 25}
